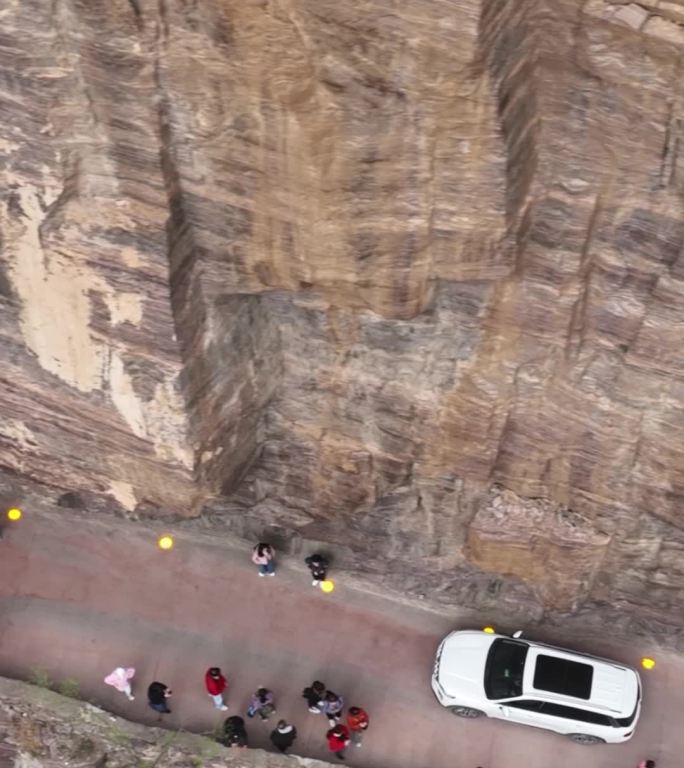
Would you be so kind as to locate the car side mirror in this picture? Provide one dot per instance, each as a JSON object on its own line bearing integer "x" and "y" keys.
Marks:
{"x": 517, "y": 634}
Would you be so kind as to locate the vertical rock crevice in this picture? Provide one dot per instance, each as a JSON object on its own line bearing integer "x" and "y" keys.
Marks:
{"x": 229, "y": 346}
{"x": 508, "y": 42}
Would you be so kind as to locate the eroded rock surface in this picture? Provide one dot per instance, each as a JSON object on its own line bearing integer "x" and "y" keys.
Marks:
{"x": 544, "y": 544}
{"x": 41, "y": 729}
{"x": 340, "y": 269}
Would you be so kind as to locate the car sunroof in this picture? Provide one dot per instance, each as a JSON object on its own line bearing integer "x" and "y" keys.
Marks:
{"x": 569, "y": 678}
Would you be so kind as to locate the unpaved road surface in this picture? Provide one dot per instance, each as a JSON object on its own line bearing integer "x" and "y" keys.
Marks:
{"x": 78, "y": 598}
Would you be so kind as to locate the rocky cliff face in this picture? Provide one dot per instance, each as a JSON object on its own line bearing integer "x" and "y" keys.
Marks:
{"x": 406, "y": 280}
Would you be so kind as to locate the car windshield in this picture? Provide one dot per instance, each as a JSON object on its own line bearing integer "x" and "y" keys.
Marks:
{"x": 504, "y": 669}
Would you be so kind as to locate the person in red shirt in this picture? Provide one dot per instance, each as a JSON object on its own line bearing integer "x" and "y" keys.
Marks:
{"x": 216, "y": 685}
{"x": 338, "y": 740}
{"x": 357, "y": 720}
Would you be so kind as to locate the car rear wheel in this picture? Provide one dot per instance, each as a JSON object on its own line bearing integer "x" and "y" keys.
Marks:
{"x": 466, "y": 712}
{"x": 585, "y": 738}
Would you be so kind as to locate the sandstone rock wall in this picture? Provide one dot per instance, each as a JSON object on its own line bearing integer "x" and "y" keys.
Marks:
{"x": 89, "y": 360}
{"x": 348, "y": 269}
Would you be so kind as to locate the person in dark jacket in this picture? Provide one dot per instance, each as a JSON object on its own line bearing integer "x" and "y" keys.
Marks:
{"x": 234, "y": 732}
{"x": 318, "y": 566}
{"x": 215, "y": 684}
{"x": 157, "y": 694}
{"x": 284, "y": 735}
{"x": 338, "y": 739}
{"x": 314, "y": 696}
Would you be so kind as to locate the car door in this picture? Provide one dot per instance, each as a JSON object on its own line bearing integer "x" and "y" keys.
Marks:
{"x": 525, "y": 711}
{"x": 564, "y": 719}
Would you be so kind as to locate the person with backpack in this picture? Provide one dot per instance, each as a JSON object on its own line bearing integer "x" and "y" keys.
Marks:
{"x": 261, "y": 704}
{"x": 216, "y": 684}
{"x": 234, "y": 732}
{"x": 357, "y": 721}
{"x": 338, "y": 740}
{"x": 314, "y": 695}
{"x": 157, "y": 694}
{"x": 318, "y": 566}
{"x": 284, "y": 735}
{"x": 262, "y": 555}
{"x": 332, "y": 707}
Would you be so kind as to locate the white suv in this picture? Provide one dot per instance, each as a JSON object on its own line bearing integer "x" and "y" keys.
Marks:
{"x": 591, "y": 700}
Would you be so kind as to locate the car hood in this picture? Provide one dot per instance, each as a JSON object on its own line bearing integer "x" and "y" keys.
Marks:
{"x": 462, "y": 663}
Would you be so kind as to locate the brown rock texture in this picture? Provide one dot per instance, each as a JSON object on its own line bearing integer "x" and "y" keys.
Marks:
{"x": 350, "y": 272}
{"x": 542, "y": 543}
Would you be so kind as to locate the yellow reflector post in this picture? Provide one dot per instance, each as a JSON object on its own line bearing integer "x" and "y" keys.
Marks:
{"x": 14, "y": 514}
{"x": 647, "y": 662}
{"x": 165, "y": 542}
{"x": 327, "y": 585}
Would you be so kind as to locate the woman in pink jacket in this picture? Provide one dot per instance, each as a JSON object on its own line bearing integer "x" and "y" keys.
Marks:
{"x": 120, "y": 679}
{"x": 262, "y": 555}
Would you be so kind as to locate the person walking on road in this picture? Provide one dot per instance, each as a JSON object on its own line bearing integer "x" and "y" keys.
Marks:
{"x": 262, "y": 555}
{"x": 261, "y": 704}
{"x": 318, "y": 566}
{"x": 157, "y": 694}
{"x": 234, "y": 732}
{"x": 647, "y": 764}
{"x": 338, "y": 740}
{"x": 332, "y": 707}
{"x": 314, "y": 695}
{"x": 216, "y": 684}
{"x": 284, "y": 735}
{"x": 357, "y": 720}
{"x": 120, "y": 679}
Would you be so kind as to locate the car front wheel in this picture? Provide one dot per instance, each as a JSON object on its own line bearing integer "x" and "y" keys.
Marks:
{"x": 585, "y": 738}
{"x": 466, "y": 712}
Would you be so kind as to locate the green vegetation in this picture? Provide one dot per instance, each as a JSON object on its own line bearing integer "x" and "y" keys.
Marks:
{"x": 69, "y": 687}
{"x": 40, "y": 678}
{"x": 84, "y": 748}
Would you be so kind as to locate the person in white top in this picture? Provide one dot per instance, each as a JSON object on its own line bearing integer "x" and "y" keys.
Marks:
{"x": 120, "y": 679}
{"x": 262, "y": 555}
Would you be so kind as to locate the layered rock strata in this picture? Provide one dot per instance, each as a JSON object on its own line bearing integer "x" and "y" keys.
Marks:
{"x": 352, "y": 273}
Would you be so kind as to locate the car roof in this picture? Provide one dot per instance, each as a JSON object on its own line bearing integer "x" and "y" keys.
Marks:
{"x": 554, "y": 674}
